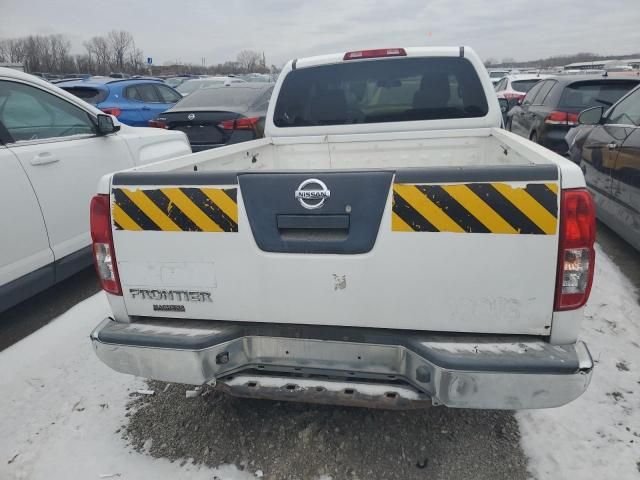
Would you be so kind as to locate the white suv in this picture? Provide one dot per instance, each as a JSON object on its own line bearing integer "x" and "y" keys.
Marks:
{"x": 54, "y": 148}
{"x": 515, "y": 87}
{"x": 496, "y": 74}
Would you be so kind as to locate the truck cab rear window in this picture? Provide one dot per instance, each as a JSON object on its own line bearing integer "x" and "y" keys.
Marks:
{"x": 389, "y": 90}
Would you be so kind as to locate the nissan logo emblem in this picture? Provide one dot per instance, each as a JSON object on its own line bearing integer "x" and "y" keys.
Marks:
{"x": 312, "y": 193}
{"x": 191, "y": 116}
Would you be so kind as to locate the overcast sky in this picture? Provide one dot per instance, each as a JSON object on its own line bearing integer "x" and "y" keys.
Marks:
{"x": 283, "y": 29}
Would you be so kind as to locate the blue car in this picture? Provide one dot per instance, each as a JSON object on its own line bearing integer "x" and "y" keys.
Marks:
{"x": 134, "y": 101}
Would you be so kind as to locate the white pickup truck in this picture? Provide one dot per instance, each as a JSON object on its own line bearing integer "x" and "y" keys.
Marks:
{"x": 385, "y": 245}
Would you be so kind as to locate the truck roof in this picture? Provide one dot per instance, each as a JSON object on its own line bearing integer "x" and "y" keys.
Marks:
{"x": 410, "y": 52}
{"x": 492, "y": 118}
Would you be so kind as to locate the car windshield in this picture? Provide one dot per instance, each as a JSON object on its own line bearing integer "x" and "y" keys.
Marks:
{"x": 237, "y": 96}
{"x": 390, "y": 90}
{"x": 257, "y": 79}
{"x": 192, "y": 85}
{"x": 175, "y": 81}
{"x": 524, "y": 85}
{"x": 594, "y": 93}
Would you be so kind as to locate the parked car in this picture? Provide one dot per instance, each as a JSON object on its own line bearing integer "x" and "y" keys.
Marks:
{"x": 575, "y": 138}
{"x": 47, "y": 76}
{"x": 257, "y": 78}
{"x": 71, "y": 76}
{"x": 374, "y": 249}
{"x": 514, "y": 87}
{"x": 194, "y": 84}
{"x": 609, "y": 153}
{"x": 495, "y": 74}
{"x": 550, "y": 109}
{"x": 175, "y": 82}
{"x": 119, "y": 75}
{"x": 216, "y": 116}
{"x": 54, "y": 148}
{"x": 133, "y": 101}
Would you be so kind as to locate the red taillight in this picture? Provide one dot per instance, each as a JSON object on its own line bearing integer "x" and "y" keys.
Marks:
{"x": 157, "y": 124}
{"x": 514, "y": 96}
{"x": 248, "y": 123}
{"x": 112, "y": 111}
{"x": 576, "y": 255}
{"x": 380, "y": 52}
{"x": 562, "y": 118}
{"x": 103, "y": 252}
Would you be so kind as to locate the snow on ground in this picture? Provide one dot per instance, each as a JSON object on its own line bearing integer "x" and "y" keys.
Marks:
{"x": 60, "y": 408}
{"x": 598, "y": 435}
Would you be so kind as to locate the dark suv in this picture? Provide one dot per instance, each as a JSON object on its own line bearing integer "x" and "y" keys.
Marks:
{"x": 551, "y": 107}
{"x": 608, "y": 148}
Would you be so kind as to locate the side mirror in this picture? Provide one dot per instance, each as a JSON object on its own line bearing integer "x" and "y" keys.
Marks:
{"x": 106, "y": 125}
{"x": 504, "y": 105}
{"x": 591, "y": 116}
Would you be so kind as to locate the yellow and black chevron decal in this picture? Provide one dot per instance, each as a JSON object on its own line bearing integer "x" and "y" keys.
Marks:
{"x": 176, "y": 209}
{"x": 476, "y": 208}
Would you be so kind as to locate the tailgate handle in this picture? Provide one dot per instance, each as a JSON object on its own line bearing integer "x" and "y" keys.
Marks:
{"x": 313, "y": 222}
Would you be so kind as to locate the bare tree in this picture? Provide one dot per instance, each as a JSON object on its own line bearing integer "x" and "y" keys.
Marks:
{"x": 99, "y": 53}
{"x": 121, "y": 42}
{"x": 37, "y": 54}
{"x": 490, "y": 62}
{"x": 135, "y": 60}
{"x": 82, "y": 63}
{"x": 12, "y": 50}
{"x": 249, "y": 60}
{"x": 60, "y": 47}
{"x": 4, "y": 51}
{"x": 115, "y": 51}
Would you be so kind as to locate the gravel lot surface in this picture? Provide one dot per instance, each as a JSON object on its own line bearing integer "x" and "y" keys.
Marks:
{"x": 287, "y": 440}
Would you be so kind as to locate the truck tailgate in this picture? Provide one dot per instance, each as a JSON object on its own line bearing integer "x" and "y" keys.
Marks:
{"x": 465, "y": 249}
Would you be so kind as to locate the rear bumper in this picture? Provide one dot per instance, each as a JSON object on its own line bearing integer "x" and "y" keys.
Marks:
{"x": 554, "y": 139}
{"x": 343, "y": 365}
